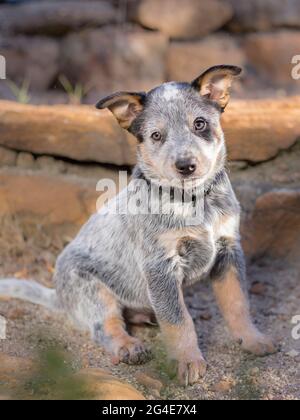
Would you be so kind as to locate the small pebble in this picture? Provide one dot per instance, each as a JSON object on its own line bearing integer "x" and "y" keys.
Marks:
{"x": 153, "y": 385}
{"x": 223, "y": 386}
{"x": 254, "y": 371}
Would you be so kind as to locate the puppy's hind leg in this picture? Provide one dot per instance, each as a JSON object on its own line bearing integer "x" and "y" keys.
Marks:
{"x": 107, "y": 327}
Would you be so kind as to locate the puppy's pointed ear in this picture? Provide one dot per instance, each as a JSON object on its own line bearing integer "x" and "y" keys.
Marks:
{"x": 124, "y": 105}
{"x": 215, "y": 83}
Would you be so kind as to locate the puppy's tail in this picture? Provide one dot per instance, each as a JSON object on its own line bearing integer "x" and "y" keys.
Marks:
{"x": 30, "y": 291}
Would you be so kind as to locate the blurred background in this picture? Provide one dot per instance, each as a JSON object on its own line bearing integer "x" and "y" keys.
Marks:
{"x": 61, "y": 51}
{"x": 61, "y": 57}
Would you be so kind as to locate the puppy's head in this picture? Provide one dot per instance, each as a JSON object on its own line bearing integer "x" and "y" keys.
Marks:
{"x": 178, "y": 126}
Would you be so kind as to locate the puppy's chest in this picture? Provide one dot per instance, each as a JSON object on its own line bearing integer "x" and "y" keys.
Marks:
{"x": 193, "y": 250}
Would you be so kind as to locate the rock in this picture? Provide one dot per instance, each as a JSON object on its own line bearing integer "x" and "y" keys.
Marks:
{"x": 12, "y": 369}
{"x": 7, "y": 157}
{"x": 31, "y": 60}
{"x": 79, "y": 133}
{"x": 258, "y": 130}
{"x": 51, "y": 165}
{"x": 223, "y": 386}
{"x": 101, "y": 385}
{"x": 64, "y": 201}
{"x": 246, "y": 194}
{"x": 262, "y": 15}
{"x": 49, "y": 97}
{"x": 153, "y": 385}
{"x": 48, "y": 199}
{"x": 114, "y": 58}
{"x": 105, "y": 387}
{"x": 280, "y": 178}
{"x": 270, "y": 54}
{"x": 25, "y": 160}
{"x": 200, "y": 55}
{"x": 254, "y": 371}
{"x": 293, "y": 354}
{"x": 274, "y": 229}
{"x": 95, "y": 172}
{"x": 10, "y": 364}
{"x": 183, "y": 18}
{"x": 90, "y": 171}
{"x": 281, "y": 172}
{"x": 48, "y": 17}
{"x": 237, "y": 166}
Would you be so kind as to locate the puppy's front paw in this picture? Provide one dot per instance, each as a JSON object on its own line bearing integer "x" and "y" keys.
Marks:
{"x": 191, "y": 370}
{"x": 259, "y": 345}
{"x": 134, "y": 352}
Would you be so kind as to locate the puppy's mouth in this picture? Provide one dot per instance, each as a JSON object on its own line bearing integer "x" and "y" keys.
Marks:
{"x": 188, "y": 176}
{"x": 195, "y": 180}
{"x": 195, "y": 176}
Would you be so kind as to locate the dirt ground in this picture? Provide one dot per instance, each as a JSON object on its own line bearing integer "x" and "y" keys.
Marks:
{"x": 232, "y": 374}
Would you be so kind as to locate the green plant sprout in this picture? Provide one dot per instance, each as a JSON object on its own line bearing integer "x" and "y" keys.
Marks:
{"x": 75, "y": 93}
{"x": 21, "y": 93}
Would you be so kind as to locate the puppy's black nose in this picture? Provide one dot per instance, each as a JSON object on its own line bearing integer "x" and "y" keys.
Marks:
{"x": 186, "y": 167}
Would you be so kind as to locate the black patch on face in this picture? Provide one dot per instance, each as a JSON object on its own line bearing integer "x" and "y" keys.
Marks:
{"x": 205, "y": 134}
{"x": 230, "y": 255}
{"x": 136, "y": 128}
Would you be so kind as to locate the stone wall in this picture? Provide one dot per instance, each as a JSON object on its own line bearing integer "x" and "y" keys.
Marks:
{"x": 52, "y": 157}
{"x": 74, "y": 51}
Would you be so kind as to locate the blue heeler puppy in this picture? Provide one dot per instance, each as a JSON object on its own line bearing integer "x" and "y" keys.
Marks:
{"x": 136, "y": 264}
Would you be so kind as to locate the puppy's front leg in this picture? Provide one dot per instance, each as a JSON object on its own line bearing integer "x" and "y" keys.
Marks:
{"x": 176, "y": 324}
{"x": 228, "y": 276}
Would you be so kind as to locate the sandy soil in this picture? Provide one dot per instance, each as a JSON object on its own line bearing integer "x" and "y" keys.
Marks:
{"x": 232, "y": 374}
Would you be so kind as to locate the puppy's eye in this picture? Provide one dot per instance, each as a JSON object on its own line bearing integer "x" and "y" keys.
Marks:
{"x": 200, "y": 124}
{"x": 156, "y": 136}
